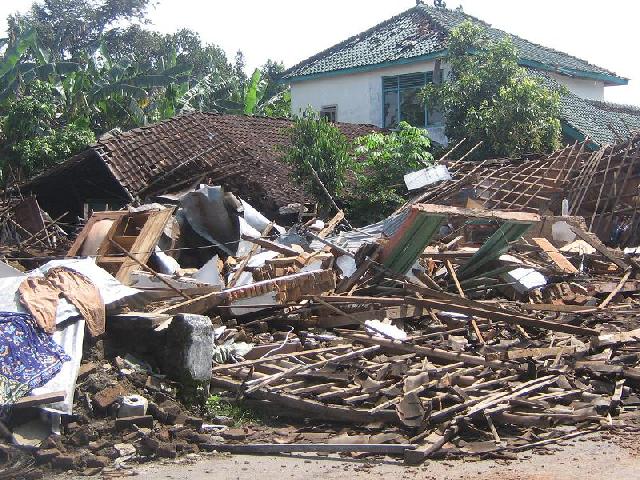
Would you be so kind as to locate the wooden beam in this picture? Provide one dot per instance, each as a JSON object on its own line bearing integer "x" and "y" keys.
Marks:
{"x": 513, "y": 217}
{"x": 35, "y": 400}
{"x": 273, "y": 246}
{"x": 554, "y": 254}
{"x": 313, "y": 408}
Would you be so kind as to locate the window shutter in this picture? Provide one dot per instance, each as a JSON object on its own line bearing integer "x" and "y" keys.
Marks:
{"x": 412, "y": 80}
{"x": 389, "y": 83}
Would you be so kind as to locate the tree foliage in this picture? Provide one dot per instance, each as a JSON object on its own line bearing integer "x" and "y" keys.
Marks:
{"x": 317, "y": 144}
{"x": 380, "y": 164}
{"x": 88, "y": 65}
{"x": 37, "y": 135}
{"x": 69, "y": 28}
{"x": 488, "y": 97}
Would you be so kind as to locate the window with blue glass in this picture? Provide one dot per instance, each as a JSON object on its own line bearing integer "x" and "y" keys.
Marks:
{"x": 402, "y": 101}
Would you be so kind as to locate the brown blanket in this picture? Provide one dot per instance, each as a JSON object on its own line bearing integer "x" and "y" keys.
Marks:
{"x": 40, "y": 296}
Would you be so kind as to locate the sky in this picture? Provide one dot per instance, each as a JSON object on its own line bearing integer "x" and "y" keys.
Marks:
{"x": 605, "y": 33}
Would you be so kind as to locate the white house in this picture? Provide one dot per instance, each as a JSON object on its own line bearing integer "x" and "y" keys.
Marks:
{"x": 373, "y": 78}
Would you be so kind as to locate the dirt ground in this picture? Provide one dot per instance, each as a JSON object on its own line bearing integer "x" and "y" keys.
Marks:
{"x": 597, "y": 456}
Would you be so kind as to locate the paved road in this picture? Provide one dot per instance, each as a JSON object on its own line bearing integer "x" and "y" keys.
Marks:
{"x": 582, "y": 459}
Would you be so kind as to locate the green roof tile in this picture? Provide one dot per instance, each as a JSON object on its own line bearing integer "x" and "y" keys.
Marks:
{"x": 603, "y": 123}
{"x": 422, "y": 31}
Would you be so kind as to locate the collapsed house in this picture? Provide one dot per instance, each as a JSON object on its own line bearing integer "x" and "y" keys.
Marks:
{"x": 241, "y": 153}
{"x": 484, "y": 318}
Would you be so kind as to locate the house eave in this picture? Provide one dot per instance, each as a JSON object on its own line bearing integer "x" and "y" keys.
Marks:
{"x": 607, "y": 79}
{"x": 366, "y": 68}
{"x": 571, "y": 132}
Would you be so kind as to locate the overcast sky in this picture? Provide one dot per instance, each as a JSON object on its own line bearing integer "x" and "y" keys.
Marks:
{"x": 606, "y": 33}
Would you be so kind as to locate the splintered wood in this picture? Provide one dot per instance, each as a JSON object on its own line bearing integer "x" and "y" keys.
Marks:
{"x": 453, "y": 365}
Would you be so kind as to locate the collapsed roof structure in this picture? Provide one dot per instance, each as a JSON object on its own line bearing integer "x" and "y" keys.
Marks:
{"x": 601, "y": 186}
{"x": 240, "y": 152}
{"x": 461, "y": 326}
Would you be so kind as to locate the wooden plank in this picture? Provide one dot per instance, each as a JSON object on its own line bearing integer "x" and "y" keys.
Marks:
{"x": 319, "y": 281}
{"x": 548, "y": 307}
{"x": 313, "y": 408}
{"x": 513, "y": 217}
{"x": 82, "y": 236}
{"x": 554, "y": 254}
{"x": 331, "y": 226}
{"x": 35, "y": 400}
{"x": 615, "y": 291}
{"x": 515, "y": 354}
{"x": 245, "y": 261}
{"x": 273, "y": 246}
{"x": 149, "y": 270}
{"x": 595, "y": 242}
{"x": 280, "y": 356}
{"x": 453, "y": 275}
{"x": 424, "y": 451}
{"x": 632, "y": 336}
{"x": 254, "y": 385}
{"x": 147, "y": 240}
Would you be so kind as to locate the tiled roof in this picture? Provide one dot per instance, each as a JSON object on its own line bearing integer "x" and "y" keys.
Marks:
{"x": 240, "y": 152}
{"x": 604, "y": 123}
{"x": 423, "y": 30}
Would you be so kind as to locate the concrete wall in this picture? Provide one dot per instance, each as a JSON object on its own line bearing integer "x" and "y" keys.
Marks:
{"x": 358, "y": 96}
{"x": 591, "y": 89}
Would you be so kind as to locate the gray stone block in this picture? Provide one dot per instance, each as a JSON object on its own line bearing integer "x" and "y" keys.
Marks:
{"x": 189, "y": 348}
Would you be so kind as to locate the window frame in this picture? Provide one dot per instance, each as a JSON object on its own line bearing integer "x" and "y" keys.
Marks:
{"x": 327, "y": 110}
{"x": 397, "y": 89}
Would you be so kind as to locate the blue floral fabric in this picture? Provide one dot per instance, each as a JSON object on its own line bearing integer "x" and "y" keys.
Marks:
{"x": 28, "y": 356}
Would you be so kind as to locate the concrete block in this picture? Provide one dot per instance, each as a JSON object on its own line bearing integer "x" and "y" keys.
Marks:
{"x": 189, "y": 348}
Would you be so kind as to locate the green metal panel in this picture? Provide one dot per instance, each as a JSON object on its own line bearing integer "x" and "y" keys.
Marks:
{"x": 495, "y": 246}
{"x": 413, "y": 243}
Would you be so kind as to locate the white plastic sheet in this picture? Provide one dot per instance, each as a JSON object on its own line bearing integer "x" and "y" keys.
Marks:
{"x": 376, "y": 327}
{"x": 426, "y": 176}
{"x": 70, "y": 333}
{"x": 347, "y": 265}
{"x": 525, "y": 279}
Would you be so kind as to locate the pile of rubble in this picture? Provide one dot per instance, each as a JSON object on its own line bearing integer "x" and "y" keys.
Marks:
{"x": 441, "y": 331}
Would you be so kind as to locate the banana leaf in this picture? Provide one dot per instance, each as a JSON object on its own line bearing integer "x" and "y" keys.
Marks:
{"x": 14, "y": 53}
{"x": 119, "y": 88}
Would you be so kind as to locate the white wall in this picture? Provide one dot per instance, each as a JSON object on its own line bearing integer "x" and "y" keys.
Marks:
{"x": 591, "y": 89}
{"x": 357, "y": 95}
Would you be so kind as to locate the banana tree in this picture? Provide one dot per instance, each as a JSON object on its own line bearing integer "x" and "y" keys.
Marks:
{"x": 121, "y": 94}
{"x": 24, "y": 61}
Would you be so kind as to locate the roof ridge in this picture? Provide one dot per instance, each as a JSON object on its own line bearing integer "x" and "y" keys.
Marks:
{"x": 347, "y": 41}
{"x": 428, "y": 9}
{"x": 620, "y": 107}
{"x": 423, "y": 31}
